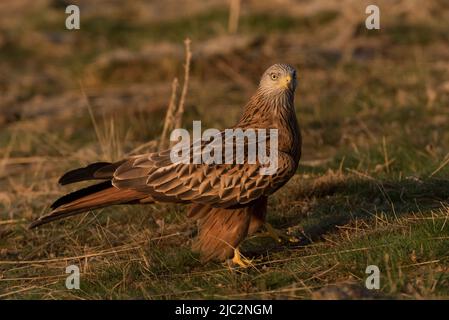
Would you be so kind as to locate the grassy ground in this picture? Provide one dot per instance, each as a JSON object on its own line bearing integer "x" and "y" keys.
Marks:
{"x": 371, "y": 189}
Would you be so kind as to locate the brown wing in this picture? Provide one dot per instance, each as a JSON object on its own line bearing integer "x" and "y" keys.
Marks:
{"x": 217, "y": 185}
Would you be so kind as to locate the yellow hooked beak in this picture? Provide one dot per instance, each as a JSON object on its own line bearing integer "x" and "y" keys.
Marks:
{"x": 286, "y": 82}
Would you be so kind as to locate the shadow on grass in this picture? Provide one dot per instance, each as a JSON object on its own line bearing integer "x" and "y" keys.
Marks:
{"x": 337, "y": 202}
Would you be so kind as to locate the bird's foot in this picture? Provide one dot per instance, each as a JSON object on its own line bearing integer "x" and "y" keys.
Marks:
{"x": 240, "y": 260}
{"x": 278, "y": 235}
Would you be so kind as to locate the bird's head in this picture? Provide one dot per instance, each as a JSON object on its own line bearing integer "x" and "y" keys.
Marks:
{"x": 278, "y": 79}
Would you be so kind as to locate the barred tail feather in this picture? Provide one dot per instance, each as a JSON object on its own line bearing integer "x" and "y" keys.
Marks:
{"x": 93, "y": 197}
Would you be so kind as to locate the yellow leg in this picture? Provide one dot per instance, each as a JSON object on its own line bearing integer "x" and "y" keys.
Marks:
{"x": 279, "y": 235}
{"x": 240, "y": 260}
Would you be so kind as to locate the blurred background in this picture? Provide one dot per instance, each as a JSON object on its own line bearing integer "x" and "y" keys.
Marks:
{"x": 372, "y": 104}
{"x": 355, "y": 85}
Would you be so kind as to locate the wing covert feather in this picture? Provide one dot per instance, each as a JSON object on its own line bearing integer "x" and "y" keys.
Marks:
{"x": 218, "y": 185}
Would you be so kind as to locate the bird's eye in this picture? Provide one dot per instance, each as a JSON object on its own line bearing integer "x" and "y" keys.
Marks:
{"x": 274, "y": 76}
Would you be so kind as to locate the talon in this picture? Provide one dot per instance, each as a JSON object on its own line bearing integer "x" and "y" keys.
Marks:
{"x": 240, "y": 260}
{"x": 278, "y": 235}
{"x": 273, "y": 233}
{"x": 293, "y": 239}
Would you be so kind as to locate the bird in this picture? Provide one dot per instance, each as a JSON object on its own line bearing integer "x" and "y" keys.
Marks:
{"x": 228, "y": 201}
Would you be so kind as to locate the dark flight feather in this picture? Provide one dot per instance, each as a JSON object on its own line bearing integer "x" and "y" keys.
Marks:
{"x": 82, "y": 174}
{"x": 80, "y": 193}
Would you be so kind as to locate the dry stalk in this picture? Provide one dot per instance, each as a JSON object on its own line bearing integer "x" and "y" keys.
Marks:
{"x": 185, "y": 85}
{"x": 170, "y": 115}
{"x": 234, "y": 14}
